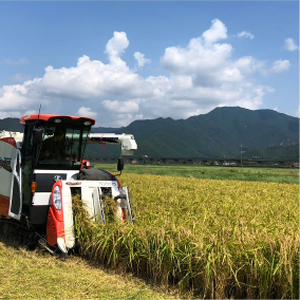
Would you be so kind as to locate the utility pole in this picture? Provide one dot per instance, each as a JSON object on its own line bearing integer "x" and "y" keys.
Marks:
{"x": 241, "y": 155}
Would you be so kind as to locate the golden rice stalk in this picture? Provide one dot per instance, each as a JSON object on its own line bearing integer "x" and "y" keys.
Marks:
{"x": 220, "y": 239}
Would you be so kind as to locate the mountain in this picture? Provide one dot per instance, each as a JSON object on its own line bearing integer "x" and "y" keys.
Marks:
{"x": 223, "y": 132}
{"x": 218, "y": 133}
{"x": 275, "y": 153}
{"x": 11, "y": 124}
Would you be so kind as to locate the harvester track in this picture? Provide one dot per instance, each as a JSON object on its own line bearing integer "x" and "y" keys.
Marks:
{"x": 21, "y": 234}
{"x": 18, "y": 233}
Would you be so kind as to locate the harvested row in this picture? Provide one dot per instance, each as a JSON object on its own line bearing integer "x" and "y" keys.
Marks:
{"x": 213, "y": 238}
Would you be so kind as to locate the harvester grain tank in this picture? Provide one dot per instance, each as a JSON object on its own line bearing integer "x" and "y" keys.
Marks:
{"x": 43, "y": 167}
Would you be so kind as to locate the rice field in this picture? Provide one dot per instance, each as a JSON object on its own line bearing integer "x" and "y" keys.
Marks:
{"x": 208, "y": 238}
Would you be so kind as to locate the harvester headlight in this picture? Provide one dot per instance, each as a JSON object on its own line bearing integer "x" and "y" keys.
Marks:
{"x": 57, "y": 198}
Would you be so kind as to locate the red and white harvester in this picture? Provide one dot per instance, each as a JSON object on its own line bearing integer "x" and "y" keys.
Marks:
{"x": 43, "y": 167}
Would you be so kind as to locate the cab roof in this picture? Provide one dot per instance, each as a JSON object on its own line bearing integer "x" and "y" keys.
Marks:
{"x": 51, "y": 118}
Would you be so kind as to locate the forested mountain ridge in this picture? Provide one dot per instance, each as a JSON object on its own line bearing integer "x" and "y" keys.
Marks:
{"x": 223, "y": 132}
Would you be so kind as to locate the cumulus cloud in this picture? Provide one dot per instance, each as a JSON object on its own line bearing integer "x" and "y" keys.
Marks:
{"x": 280, "y": 66}
{"x": 117, "y": 45}
{"x": 202, "y": 75}
{"x": 248, "y": 65}
{"x": 290, "y": 45}
{"x": 140, "y": 58}
{"x": 204, "y": 60}
{"x": 216, "y": 32}
{"x": 86, "y": 112}
{"x": 246, "y": 34}
{"x": 120, "y": 107}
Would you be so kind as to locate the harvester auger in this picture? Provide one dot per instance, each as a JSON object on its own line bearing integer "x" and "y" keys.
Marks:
{"x": 44, "y": 167}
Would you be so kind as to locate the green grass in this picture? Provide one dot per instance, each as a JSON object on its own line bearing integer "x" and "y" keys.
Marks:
{"x": 279, "y": 175}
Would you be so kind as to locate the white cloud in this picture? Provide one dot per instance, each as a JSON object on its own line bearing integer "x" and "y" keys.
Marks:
{"x": 121, "y": 110}
{"x": 21, "y": 61}
{"x": 86, "y": 112}
{"x": 20, "y": 78}
{"x": 119, "y": 107}
{"x": 202, "y": 75}
{"x": 15, "y": 97}
{"x": 141, "y": 60}
{"x": 246, "y": 34}
{"x": 280, "y": 66}
{"x": 290, "y": 45}
{"x": 249, "y": 64}
{"x": 117, "y": 45}
{"x": 297, "y": 112}
{"x": 216, "y": 32}
{"x": 203, "y": 58}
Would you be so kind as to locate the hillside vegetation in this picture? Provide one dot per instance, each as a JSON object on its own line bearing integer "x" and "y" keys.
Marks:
{"x": 11, "y": 124}
{"x": 219, "y": 133}
{"x": 276, "y": 153}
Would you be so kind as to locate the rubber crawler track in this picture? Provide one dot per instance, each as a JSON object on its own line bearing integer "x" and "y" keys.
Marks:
{"x": 14, "y": 232}
{"x": 18, "y": 233}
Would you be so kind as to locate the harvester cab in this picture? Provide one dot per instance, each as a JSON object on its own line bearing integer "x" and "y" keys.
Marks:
{"x": 44, "y": 167}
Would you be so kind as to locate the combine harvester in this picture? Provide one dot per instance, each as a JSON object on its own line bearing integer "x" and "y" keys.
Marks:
{"x": 42, "y": 168}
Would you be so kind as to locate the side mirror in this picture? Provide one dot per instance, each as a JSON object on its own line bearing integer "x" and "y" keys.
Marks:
{"x": 37, "y": 136}
{"x": 120, "y": 164}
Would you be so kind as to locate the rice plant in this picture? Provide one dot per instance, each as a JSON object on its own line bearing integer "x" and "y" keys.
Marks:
{"x": 218, "y": 239}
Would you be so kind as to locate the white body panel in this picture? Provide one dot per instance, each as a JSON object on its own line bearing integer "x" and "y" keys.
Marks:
{"x": 18, "y": 181}
{"x": 10, "y": 162}
{"x": 8, "y": 155}
{"x": 70, "y": 173}
{"x": 43, "y": 198}
{"x": 127, "y": 141}
{"x": 68, "y": 216}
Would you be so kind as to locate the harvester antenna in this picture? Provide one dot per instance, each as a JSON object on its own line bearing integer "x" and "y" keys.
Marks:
{"x": 38, "y": 120}
{"x": 39, "y": 112}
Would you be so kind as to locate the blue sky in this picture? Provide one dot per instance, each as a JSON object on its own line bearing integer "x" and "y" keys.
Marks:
{"x": 119, "y": 61}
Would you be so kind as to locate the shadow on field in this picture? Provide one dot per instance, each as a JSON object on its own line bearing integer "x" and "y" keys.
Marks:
{"x": 16, "y": 236}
